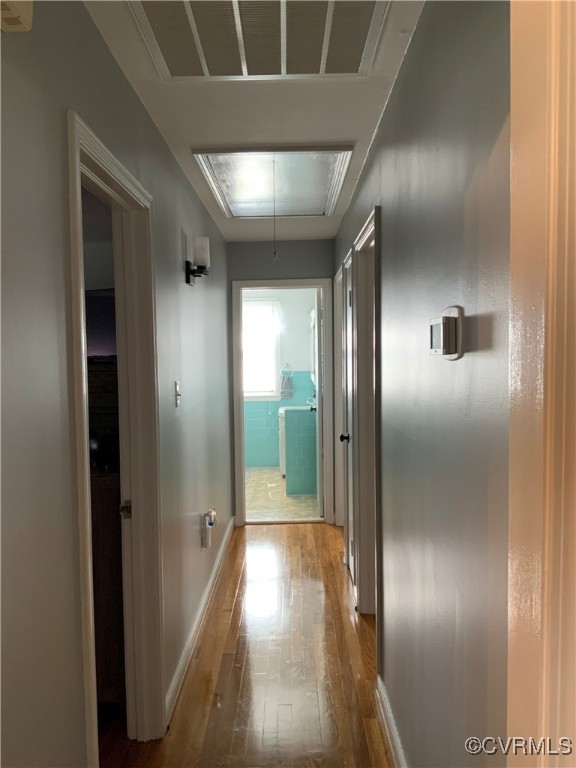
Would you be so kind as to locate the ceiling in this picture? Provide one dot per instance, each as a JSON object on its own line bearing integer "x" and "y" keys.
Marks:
{"x": 261, "y": 74}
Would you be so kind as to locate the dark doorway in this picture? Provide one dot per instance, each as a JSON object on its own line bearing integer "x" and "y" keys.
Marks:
{"x": 103, "y": 410}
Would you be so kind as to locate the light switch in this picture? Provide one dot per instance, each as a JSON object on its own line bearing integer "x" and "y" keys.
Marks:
{"x": 177, "y": 394}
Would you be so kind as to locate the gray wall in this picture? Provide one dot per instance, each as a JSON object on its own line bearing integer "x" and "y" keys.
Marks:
{"x": 296, "y": 258}
{"x": 98, "y": 266}
{"x": 97, "y": 242}
{"x": 64, "y": 64}
{"x": 440, "y": 171}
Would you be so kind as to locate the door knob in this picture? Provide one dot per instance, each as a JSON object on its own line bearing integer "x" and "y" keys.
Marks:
{"x": 345, "y": 437}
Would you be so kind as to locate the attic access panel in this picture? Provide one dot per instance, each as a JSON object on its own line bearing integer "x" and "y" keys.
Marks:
{"x": 266, "y": 184}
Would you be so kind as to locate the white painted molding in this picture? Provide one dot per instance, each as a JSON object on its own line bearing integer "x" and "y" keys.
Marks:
{"x": 93, "y": 166}
{"x": 239, "y": 462}
{"x": 78, "y": 341}
{"x": 86, "y": 141}
{"x": 178, "y": 679}
{"x": 328, "y": 417}
{"x": 388, "y": 724}
{"x": 365, "y": 429}
{"x": 339, "y": 401}
{"x": 149, "y": 39}
{"x": 328, "y": 403}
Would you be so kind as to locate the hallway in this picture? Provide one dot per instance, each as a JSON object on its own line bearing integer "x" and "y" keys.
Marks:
{"x": 283, "y": 673}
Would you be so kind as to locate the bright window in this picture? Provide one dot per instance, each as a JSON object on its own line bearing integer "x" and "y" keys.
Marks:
{"x": 261, "y": 325}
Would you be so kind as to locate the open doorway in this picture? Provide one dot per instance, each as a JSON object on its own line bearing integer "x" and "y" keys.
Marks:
{"x": 283, "y": 402}
{"x": 116, "y": 441}
{"x": 105, "y": 481}
{"x": 280, "y": 391}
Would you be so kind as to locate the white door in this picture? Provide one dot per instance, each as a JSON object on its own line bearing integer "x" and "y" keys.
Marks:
{"x": 347, "y": 437}
{"x": 359, "y": 424}
{"x": 363, "y": 435}
{"x": 339, "y": 400}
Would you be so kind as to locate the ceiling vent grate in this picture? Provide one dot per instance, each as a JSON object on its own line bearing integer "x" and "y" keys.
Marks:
{"x": 173, "y": 34}
{"x": 351, "y": 22}
{"x": 16, "y": 15}
{"x": 261, "y": 30}
{"x": 306, "y": 26}
{"x": 216, "y": 26}
{"x": 261, "y": 38}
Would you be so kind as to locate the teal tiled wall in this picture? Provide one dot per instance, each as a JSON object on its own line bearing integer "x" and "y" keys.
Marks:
{"x": 300, "y": 453}
{"x": 261, "y": 423}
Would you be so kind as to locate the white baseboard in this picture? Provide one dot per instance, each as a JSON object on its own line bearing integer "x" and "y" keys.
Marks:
{"x": 179, "y": 674}
{"x": 387, "y": 720}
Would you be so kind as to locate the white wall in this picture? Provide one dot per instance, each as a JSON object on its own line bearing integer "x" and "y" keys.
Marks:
{"x": 64, "y": 64}
{"x": 296, "y": 305}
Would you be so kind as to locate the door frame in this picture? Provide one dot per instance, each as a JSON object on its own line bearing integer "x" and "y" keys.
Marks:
{"x": 328, "y": 408}
{"x": 92, "y": 166}
{"x": 339, "y": 401}
{"x": 366, "y": 427}
{"x": 542, "y": 436}
{"x": 347, "y": 283}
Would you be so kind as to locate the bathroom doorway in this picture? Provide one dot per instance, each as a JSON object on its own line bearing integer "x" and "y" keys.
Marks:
{"x": 283, "y": 391}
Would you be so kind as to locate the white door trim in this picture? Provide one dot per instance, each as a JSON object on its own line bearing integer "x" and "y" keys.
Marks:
{"x": 365, "y": 434}
{"x": 542, "y": 439}
{"x": 339, "y": 402}
{"x": 327, "y": 421}
{"x": 348, "y": 420}
{"x": 93, "y": 166}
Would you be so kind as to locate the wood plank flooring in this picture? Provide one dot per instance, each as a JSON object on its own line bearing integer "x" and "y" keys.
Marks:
{"x": 283, "y": 674}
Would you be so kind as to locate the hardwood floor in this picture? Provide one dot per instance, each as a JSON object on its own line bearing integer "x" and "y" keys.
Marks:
{"x": 284, "y": 671}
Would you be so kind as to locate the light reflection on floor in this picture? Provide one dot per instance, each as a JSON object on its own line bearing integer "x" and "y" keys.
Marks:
{"x": 263, "y": 587}
{"x": 286, "y": 652}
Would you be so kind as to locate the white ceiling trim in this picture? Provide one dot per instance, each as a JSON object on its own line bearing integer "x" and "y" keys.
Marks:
{"x": 195, "y": 35}
{"x": 206, "y": 167}
{"x": 327, "y": 33}
{"x": 150, "y": 41}
{"x": 240, "y": 36}
{"x": 374, "y": 33}
{"x": 283, "y": 41}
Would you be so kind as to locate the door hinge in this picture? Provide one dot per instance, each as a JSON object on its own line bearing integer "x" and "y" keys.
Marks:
{"x": 126, "y": 510}
{"x": 350, "y": 298}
